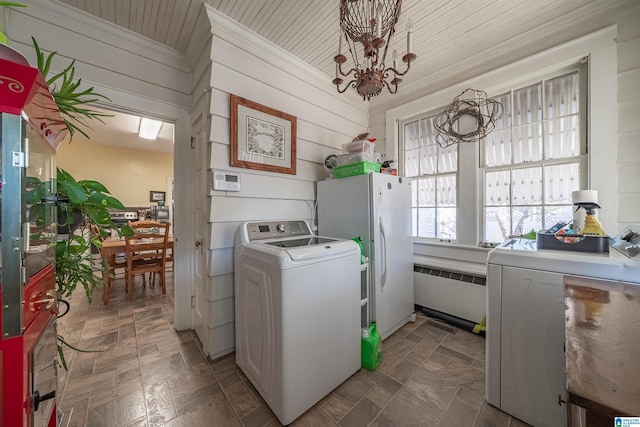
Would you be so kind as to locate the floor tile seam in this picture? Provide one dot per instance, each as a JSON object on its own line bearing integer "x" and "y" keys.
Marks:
{"x": 257, "y": 409}
{"x": 444, "y": 344}
{"x": 417, "y": 409}
{"x": 144, "y": 391}
{"x": 209, "y": 368}
{"x": 70, "y": 366}
{"x": 475, "y": 421}
{"x": 444, "y": 369}
{"x": 142, "y": 332}
{"x": 173, "y": 402}
{"x": 454, "y": 399}
{"x": 86, "y": 411}
{"x": 457, "y": 385}
{"x": 233, "y": 408}
{"x": 386, "y": 405}
{"x": 393, "y": 397}
{"x": 211, "y": 362}
{"x": 335, "y": 396}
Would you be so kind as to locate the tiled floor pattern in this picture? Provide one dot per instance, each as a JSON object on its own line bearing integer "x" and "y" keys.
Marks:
{"x": 148, "y": 374}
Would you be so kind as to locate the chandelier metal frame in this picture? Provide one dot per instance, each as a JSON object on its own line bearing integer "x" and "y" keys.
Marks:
{"x": 369, "y": 22}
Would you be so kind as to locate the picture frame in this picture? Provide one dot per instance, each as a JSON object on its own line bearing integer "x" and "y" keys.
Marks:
{"x": 262, "y": 138}
{"x": 157, "y": 196}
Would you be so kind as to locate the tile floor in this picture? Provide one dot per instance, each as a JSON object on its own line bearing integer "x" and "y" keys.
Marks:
{"x": 148, "y": 374}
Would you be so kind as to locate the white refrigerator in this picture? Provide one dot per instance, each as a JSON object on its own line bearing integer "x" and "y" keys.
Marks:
{"x": 376, "y": 207}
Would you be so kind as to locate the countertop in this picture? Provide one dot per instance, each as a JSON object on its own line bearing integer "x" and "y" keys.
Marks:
{"x": 602, "y": 330}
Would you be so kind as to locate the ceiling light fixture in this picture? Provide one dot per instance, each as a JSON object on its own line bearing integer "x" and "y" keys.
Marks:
{"x": 369, "y": 22}
{"x": 149, "y": 128}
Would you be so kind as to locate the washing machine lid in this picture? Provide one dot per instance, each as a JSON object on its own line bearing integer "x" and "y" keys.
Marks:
{"x": 298, "y": 252}
{"x": 286, "y": 244}
{"x": 302, "y": 242}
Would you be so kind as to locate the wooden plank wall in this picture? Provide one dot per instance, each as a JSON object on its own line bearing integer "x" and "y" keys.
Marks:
{"x": 628, "y": 173}
{"x": 246, "y": 65}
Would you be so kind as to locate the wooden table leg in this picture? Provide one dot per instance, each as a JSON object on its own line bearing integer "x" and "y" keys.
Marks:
{"x": 106, "y": 279}
{"x": 106, "y": 285}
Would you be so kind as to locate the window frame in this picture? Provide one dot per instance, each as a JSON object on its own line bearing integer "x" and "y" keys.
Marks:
{"x": 477, "y": 179}
{"x": 601, "y": 50}
{"x": 436, "y": 175}
{"x": 583, "y": 162}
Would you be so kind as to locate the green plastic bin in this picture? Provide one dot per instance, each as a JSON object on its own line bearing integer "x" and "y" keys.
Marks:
{"x": 355, "y": 169}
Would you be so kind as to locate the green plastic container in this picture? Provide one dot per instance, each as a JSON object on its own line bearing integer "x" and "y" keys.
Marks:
{"x": 371, "y": 348}
{"x": 358, "y": 240}
{"x": 355, "y": 169}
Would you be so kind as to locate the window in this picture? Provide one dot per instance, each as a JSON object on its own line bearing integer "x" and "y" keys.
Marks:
{"x": 522, "y": 173}
{"x": 434, "y": 175}
{"x": 532, "y": 160}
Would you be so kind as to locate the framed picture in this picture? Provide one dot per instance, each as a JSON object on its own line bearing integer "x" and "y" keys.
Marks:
{"x": 156, "y": 196}
{"x": 262, "y": 138}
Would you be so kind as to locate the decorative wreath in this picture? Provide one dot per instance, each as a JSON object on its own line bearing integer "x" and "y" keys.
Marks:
{"x": 482, "y": 110}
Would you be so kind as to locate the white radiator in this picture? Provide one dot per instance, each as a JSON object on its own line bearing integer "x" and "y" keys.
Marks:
{"x": 458, "y": 294}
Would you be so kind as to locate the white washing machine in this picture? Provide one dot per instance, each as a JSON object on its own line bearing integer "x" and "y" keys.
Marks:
{"x": 525, "y": 362}
{"x": 297, "y": 302}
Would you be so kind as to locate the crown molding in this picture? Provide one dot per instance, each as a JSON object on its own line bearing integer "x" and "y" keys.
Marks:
{"x": 245, "y": 39}
{"x": 71, "y": 19}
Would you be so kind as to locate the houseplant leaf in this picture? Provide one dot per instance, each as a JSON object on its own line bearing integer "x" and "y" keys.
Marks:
{"x": 3, "y": 37}
{"x": 94, "y": 186}
{"x": 66, "y": 92}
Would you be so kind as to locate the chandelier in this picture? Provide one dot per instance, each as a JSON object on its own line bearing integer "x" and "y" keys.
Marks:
{"x": 370, "y": 22}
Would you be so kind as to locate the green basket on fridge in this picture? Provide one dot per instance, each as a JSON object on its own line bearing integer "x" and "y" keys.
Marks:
{"x": 353, "y": 169}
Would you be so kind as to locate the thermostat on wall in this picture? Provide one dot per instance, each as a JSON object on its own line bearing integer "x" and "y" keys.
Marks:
{"x": 226, "y": 181}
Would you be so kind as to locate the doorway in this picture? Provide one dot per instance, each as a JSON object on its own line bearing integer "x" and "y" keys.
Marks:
{"x": 137, "y": 171}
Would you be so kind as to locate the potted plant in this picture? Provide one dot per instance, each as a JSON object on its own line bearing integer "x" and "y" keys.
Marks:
{"x": 81, "y": 202}
{"x": 70, "y": 98}
{"x": 78, "y": 203}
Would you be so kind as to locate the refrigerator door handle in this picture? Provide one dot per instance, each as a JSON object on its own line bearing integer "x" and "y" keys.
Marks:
{"x": 383, "y": 261}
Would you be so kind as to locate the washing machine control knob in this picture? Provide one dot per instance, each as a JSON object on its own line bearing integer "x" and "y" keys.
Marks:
{"x": 280, "y": 228}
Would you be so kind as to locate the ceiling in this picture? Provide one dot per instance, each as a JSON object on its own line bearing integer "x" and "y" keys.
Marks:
{"x": 445, "y": 32}
{"x": 121, "y": 130}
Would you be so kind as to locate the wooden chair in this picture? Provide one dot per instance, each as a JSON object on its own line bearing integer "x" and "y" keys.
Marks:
{"x": 115, "y": 262}
{"x": 142, "y": 227}
{"x": 146, "y": 253}
{"x": 170, "y": 259}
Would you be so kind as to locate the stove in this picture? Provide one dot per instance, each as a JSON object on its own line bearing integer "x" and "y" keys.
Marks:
{"x": 121, "y": 218}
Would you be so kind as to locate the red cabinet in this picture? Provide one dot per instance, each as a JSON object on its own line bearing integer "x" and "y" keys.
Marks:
{"x": 28, "y": 361}
{"x": 31, "y": 129}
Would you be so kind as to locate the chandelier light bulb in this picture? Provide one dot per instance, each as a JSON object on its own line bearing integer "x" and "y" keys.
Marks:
{"x": 379, "y": 21}
{"x": 409, "y": 36}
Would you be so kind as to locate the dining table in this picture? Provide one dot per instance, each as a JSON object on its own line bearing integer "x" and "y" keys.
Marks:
{"x": 111, "y": 247}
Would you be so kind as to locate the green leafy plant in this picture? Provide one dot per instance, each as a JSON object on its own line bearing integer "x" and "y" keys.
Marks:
{"x": 63, "y": 360}
{"x": 70, "y": 98}
{"x": 84, "y": 201}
